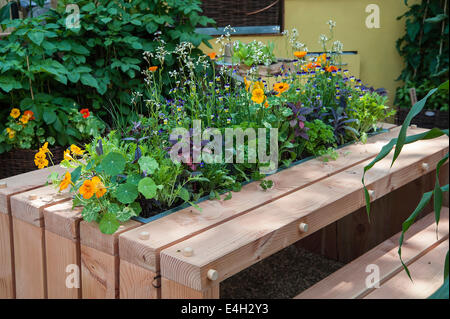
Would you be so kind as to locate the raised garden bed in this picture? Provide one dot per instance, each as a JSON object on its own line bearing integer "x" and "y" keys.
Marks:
{"x": 425, "y": 119}
{"x": 188, "y": 248}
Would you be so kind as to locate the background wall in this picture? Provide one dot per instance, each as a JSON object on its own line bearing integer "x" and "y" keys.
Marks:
{"x": 379, "y": 61}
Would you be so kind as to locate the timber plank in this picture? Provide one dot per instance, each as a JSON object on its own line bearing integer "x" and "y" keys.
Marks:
{"x": 12, "y": 186}
{"x": 137, "y": 282}
{"x": 6, "y": 259}
{"x": 427, "y": 273}
{"x": 243, "y": 241}
{"x": 349, "y": 282}
{"x": 100, "y": 260}
{"x": 188, "y": 222}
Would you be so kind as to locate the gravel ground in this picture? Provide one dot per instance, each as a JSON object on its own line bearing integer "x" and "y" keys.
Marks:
{"x": 282, "y": 275}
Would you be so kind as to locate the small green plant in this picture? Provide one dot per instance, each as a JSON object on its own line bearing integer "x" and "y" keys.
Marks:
{"x": 368, "y": 110}
{"x": 254, "y": 53}
{"x": 321, "y": 137}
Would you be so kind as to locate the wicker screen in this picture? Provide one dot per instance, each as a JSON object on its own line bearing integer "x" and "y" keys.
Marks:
{"x": 244, "y": 13}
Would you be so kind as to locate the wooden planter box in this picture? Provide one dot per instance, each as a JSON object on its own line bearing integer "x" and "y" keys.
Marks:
{"x": 263, "y": 70}
{"x": 186, "y": 254}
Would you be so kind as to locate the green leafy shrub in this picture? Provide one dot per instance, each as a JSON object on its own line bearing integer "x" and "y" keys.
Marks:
{"x": 102, "y": 58}
{"x": 437, "y": 101}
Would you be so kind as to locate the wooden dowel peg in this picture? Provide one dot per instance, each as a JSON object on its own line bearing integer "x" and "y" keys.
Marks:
{"x": 212, "y": 274}
{"x": 188, "y": 252}
{"x": 3, "y": 185}
{"x": 32, "y": 197}
{"x": 303, "y": 227}
{"x": 144, "y": 235}
{"x": 371, "y": 193}
{"x": 425, "y": 167}
{"x": 413, "y": 126}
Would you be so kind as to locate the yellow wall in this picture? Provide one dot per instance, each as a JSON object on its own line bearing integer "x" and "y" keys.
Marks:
{"x": 380, "y": 63}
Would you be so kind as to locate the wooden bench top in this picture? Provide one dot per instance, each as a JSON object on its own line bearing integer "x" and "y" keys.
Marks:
{"x": 244, "y": 240}
{"x": 421, "y": 244}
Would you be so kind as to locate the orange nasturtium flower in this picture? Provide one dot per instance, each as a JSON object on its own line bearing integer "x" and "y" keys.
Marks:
{"x": 258, "y": 96}
{"x": 331, "y": 68}
{"x": 100, "y": 189}
{"x": 76, "y": 150}
{"x": 88, "y": 189}
{"x": 11, "y": 133}
{"x": 300, "y": 54}
{"x": 266, "y": 105}
{"x": 29, "y": 114}
{"x": 280, "y": 87}
{"x": 212, "y": 55}
{"x": 247, "y": 84}
{"x": 15, "y": 113}
{"x": 44, "y": 149}
{"x": 153, "y": 68}
{"x": 322, "y": 58}
{"x": 65, "y": 182}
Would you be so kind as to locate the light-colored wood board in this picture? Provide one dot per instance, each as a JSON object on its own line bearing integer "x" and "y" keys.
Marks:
{"x": 349, "y": 282}
{"x": 90, "y": 235}
{"x": 61, "y": 253}
{"x": 245, "y": 240}
{"x": 29, "y": 261}
{"x": 189, "y": 222}
{"x": 173, "y": 290}
{"x": 61, "y": 219}
{"x": 138, "y": 283}
{"x": 427, "y": 273}
{"x": 99, "y": 274}
{"x": 32, "y": 210}
{"x": 357, "y": 235}
{"x": 7, "y": 287}
{"x": 24, "y": 182}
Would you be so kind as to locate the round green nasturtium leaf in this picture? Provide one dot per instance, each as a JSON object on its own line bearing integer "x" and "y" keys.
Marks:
{"x": 147, "y": 187}
{"x": 127, "y": 193}
{"x": 148, "y": 164}
{"x": 109, "y": 224}
{"x": 134, "y": 179}
{"x": 113, "y": 164}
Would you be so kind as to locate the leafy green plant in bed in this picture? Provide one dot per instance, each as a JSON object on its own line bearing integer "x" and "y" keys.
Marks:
{"x": 436, "y": 194}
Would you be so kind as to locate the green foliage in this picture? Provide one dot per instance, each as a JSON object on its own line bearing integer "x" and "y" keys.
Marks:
{"x": 321, "y": 136}
{"x": 438, "y": 101}
{"x": 436, "y": 193}
{"x": 424, "y": 46}
{"x": 100, "y": 59}
{"x": 254, "y": 53}
{"x": 368, "y": 110}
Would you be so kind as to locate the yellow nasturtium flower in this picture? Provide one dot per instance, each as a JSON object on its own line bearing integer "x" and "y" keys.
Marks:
{"x": 76, "y": 150}
{"x": 258, "y": 85}
{"x": 67, "y": 155}
{"x": 15, "y": 113}
{"x": 24, "y": 119}
{"x": 11, "y": 133}
{"x": 247, "y": 84}
{"x": 258, "y": 96}
{"x": 40, "y": 160}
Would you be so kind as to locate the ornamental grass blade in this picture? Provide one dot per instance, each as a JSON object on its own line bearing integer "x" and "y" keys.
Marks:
{"x": 402, "y": 135}
{"x": 408, "y": 222}
{"x": 438, "y": 192}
